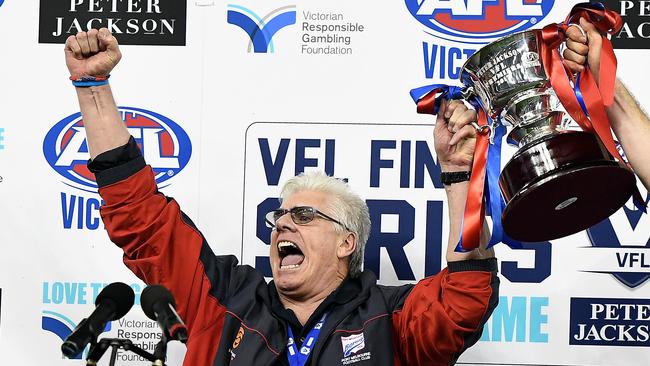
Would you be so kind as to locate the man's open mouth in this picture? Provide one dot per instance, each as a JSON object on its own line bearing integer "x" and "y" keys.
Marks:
{"x": 290, "y": 255}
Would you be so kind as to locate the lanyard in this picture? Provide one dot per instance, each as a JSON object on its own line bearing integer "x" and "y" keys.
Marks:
{"x": 300, "y": 358}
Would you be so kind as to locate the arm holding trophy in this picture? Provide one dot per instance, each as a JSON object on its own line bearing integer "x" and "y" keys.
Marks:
{"x": 455, "y": 140}
{"x": 628, "y": 121}
{"x": 632, "y": 127}
{"x": 522, "y": 94}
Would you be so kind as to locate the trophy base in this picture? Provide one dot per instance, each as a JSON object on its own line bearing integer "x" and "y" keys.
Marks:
{"x": 560, "y": 185}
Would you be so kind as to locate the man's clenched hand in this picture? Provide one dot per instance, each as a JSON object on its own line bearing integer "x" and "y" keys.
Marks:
{"x": 92, "y": 54}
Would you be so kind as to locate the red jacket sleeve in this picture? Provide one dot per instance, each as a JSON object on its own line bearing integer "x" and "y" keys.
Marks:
{"x": 444, "y": 314}
{"x": 161, "y": 246}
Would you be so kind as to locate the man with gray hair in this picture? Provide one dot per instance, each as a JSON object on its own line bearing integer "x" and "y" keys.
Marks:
{"x": 320, "y": 308}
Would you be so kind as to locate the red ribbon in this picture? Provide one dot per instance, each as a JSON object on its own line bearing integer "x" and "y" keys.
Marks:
{"x": 427, "y": 105}
{"x": 474, "y": 214}
{"x": 606, "y": 21}
{"x": 596, "y": 97}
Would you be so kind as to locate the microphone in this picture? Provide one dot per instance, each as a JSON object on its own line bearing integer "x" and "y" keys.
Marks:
{"x": 112, "y": 303}
{"x": 158, "y": 304}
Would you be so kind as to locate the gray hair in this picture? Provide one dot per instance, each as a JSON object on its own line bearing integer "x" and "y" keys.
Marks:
{"x": 345, "y": 205}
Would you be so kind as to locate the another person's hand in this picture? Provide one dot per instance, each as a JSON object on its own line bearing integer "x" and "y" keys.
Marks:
{"x": 583, "y": 49}
{"x": 92, "y": 54}
{"x": 454, "y": 137}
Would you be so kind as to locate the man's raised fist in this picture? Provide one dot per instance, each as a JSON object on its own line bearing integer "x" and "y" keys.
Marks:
{"x": 92, "y": 54}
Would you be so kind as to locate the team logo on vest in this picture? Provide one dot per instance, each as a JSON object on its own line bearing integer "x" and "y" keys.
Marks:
{"x": 261, "y": 30}
{"x": 352, "y": 344}
{"x": 240, "y": 335}
{"x": 628, "y": 230}
{"x": 478, "y": 21}
{"x": 164, "y": 144}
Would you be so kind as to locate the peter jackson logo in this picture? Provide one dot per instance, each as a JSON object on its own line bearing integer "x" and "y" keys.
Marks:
{"x": 141, "y": 22}
{"x": 610, "y": 322}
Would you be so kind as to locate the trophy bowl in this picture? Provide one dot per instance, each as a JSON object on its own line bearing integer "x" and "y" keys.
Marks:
{"x": 560, "y": 181}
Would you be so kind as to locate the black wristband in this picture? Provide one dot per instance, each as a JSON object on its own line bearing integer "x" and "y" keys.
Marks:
{"x": 448, "y": 178}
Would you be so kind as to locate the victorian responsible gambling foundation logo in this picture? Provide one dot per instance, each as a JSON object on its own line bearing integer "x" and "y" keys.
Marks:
{"x": 65, "y": 304}
{"x": 261, "y": 30}
{"x": 164, "y": 145}
{"x": 628, "y": 233}
{"x": 478, "y": 21}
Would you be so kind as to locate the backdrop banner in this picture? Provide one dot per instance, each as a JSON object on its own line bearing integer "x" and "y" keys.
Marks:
{"x": 226, "y": 113}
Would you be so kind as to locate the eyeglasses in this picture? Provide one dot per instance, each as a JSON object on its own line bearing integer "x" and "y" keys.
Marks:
{"x": 300, "y": 215}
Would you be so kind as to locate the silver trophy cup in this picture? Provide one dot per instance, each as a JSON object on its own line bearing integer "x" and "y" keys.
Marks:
{"x": 560, "y": 181}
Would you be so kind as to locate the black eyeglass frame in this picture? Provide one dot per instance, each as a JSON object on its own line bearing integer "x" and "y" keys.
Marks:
{"x": 273, "y": 216}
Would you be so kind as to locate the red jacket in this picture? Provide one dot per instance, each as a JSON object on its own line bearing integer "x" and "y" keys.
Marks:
{"x": 234, "y": 317}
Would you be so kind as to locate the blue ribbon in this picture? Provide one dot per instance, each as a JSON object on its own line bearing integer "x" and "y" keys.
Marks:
{"x": 495, "y": 202}
{"x": 299, "y": 358}
{"x": 459, "y": 246}
{"x": 639, "y": 205}
{"x": 578, "y": 92}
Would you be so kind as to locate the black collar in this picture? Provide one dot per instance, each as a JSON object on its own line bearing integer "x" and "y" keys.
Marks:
{"x": 348, "y": 290}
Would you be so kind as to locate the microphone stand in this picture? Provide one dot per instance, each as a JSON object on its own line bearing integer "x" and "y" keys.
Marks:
{"x": 98, "y": 349}
{"x": 160, "y": 352}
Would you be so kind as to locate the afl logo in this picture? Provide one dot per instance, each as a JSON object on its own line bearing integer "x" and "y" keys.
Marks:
{"x": 164, "y": 145}
{"x": 478, "y": 21}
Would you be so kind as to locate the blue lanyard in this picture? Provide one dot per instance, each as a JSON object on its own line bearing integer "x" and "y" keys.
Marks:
{"x": 300, "y": 358}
